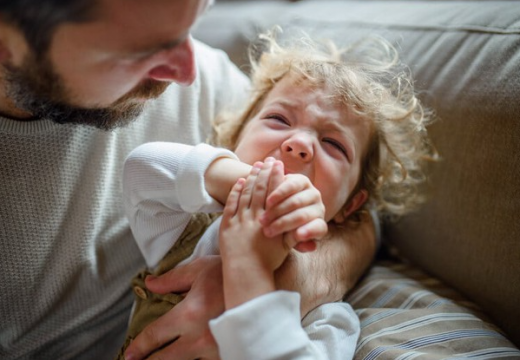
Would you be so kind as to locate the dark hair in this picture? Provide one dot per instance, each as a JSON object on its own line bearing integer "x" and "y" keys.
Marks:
{"x": 38, "y": 19}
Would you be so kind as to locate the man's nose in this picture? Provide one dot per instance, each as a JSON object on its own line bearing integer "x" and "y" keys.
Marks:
{"x": 175, "y": 65}
{"x": 300, "y": 146}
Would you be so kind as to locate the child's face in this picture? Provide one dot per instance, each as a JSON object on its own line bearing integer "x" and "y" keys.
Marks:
{"x": 311, "y": 135}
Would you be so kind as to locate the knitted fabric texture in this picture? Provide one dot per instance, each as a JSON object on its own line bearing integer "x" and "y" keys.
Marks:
{"x": 67, "y": 250}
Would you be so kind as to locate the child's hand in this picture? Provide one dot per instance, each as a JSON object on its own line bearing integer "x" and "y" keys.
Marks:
{"x": 249, "y": 258}
{"x": 241, "y": 235}
{"x": 294, "y": 207}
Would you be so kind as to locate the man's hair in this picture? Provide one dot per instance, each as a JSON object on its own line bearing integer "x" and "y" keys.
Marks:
{"x": 368, "y": 78}
{"x": 38, "y": 19}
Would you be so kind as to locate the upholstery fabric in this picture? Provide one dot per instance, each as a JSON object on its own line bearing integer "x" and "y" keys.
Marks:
{"x": 406, "y": 314}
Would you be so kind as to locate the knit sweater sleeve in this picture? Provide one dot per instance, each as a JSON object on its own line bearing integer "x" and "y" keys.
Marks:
{"x": 163, "y": 184}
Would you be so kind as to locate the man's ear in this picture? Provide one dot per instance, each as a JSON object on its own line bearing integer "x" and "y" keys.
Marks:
{"x": 354, "y": 204}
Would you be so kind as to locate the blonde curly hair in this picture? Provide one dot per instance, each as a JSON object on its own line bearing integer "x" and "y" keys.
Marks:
{"x": 368, "y": 77}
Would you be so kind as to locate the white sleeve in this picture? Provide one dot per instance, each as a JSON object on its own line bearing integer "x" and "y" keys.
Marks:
{"x": 269, "y": 328}
{"x": 334, "y": 330}
{"x": 163, "y": 184}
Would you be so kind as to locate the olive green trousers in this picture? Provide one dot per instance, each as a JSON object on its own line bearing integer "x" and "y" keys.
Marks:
{"x": 150, "y": 306}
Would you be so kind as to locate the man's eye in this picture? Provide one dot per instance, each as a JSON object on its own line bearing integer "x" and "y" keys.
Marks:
{"x": 337, "y": 145}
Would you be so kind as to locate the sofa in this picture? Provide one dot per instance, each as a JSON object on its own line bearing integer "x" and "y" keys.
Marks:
{"x": 446, "y": 283}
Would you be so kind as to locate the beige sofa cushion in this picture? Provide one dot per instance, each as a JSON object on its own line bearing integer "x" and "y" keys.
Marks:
{"x": 466, "y": 59}
{"x": 406, "y": 314}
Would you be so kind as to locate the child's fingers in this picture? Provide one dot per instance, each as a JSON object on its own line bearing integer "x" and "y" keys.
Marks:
{"x": 290, "y": 242}
{"x": 293, "y": 220}
{"x": 303, "y": 241}
{"x": 277, "y": 176}
{"x": 231, "y": 207}
{"x": 292, "y": 184}
{"x": 245, "y": 197}
{"x": 315, "y": 229}
{"x": 261, "y": 185}
{"x": 307, "y": 200}
{"x": 306, "y": 246}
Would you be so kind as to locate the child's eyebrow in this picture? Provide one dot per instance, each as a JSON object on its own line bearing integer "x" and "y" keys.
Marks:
{"x": 287, "y": 104}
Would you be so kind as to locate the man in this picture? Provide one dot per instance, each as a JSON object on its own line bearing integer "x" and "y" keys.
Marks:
{"x": 67, "y": 253}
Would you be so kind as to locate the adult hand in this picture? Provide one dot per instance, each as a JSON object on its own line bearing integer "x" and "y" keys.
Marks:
{"x": 183, "y": 333}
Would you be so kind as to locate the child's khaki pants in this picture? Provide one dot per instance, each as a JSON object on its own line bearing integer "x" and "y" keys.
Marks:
{"x": 150, "y": 306}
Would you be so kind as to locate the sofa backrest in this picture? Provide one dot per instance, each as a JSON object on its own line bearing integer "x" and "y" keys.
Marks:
{"x": 465, "y": 57}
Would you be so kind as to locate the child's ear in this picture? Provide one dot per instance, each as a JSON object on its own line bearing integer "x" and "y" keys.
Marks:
{"x": 355, "y": 203}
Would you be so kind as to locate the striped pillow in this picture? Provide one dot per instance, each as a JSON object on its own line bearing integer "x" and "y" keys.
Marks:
{"x": 406, "y": 314}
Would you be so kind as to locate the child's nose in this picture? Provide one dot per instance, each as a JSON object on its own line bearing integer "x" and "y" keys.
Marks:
{"x": 299, "y": 146}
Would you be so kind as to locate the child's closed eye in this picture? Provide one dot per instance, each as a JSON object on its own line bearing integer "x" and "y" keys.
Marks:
{"x": 278, "y": 118}
{"x": 338, "y": 146}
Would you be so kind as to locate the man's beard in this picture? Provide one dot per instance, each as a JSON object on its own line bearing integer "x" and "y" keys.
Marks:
{"x": 35, "y": 88}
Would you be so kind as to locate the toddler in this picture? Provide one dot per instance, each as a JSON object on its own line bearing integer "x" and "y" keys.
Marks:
{"x": 329, "y": 132}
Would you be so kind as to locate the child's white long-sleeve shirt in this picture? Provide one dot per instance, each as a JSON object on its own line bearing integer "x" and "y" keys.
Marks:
{"x": 163, "y": 185}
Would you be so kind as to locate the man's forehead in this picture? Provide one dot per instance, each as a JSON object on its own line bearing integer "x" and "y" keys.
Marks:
{"x": 100, "y": 7}
{"x": 148, "y": 18}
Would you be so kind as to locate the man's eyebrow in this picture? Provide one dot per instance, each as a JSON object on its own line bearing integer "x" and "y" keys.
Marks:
{"x": 167, "y": 45}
